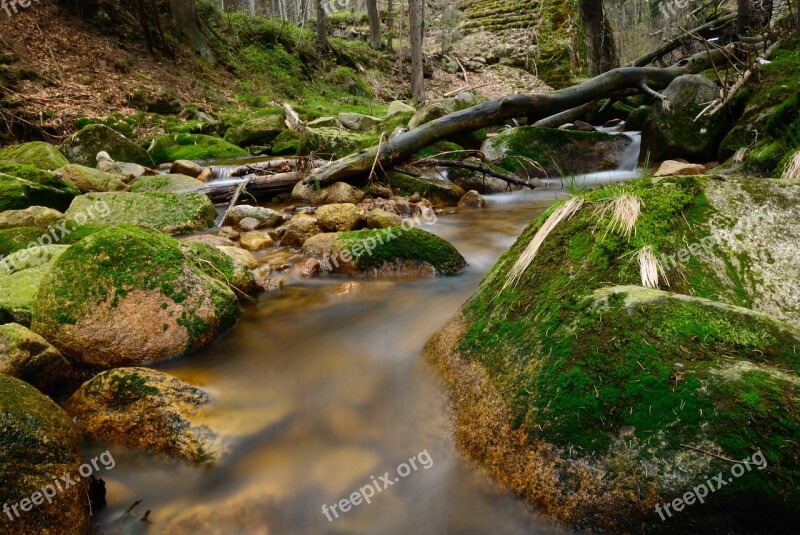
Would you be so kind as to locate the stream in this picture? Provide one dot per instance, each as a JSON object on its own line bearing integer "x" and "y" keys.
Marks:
{"x": 319, "y": 387}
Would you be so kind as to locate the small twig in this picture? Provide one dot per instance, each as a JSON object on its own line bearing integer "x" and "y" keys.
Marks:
{"x": 714, "y": 454}
{"x": 464, "y": 88}
{"x": 375, "y": 162}
{"x": 132, "y": 507}
{"x": 475, "y": 167}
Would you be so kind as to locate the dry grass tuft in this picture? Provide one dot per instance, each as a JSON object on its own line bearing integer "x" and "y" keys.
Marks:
{"x": 792, "y": 170}
{"x": 565, "y": 211}
{"x": 738, "y": 156}
{"x": 625, "y": 211}
{"x": 650, "y": 268}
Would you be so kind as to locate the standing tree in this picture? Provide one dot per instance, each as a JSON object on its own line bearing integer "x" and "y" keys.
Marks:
{"x": 322, "y": 27}
{"x": 415, "y": 28}
{"x": 601, "y": 51}
{"x": 390, "y": 27}
{"x": 374, "y": 24}
{"x": 185, "y": 18}
{"x": 744, "y": 17}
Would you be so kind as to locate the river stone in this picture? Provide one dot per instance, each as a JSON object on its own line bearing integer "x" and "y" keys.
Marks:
{"x": 395, "y": 251}
{"x": 29, "y": 357}
{"x": 39, "y": 442}
{"x": 185, "y": 167}
{"x": 249, "y": 223}
{"x": 195, "y": 147}
{"x": 17, "y": 193}
{"x": 439, "y": 192}
{"x": 336, "y": 142}
{"x": 339, "y": 217}
{"x": 559, "y": 152}
{"x": 672, "y": 130}
{"x": 299, "y": 229}
{"x": 593, "y": 373}
{"x": 255, "y": 240}
{"x": 127, "y": 295}
{"x": 227, "y": 269}
{"x": 472, "y": 199}
{"x": 83, "y": 146}
{"x": 675, "y": 168}
{"x": 380, "y": 218}
{"x": 21, "y": 274}
{"x": 240, "y": 255}
{"x": 262, "y": 131}
{"x": 89, "y": 179}
{"x": 145, "y": 409}
{"x": 166, "y": 184}
{"x": 342, "y": 192}
{"x": 129, "y": 170}
{"x": 39, "y": 176}
{"x": 358, "y": 122}
{"x": 171, "y": 213}
{"x": 36, "y": 153}
{"x": 33, "y": 216}
{"x": 211, "y": 239}
{"x": 266, "y": 217}
{"x": 399, "y": 107}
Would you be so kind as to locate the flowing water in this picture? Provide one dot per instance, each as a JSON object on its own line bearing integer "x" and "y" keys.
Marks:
{"x": 319, "y": 387}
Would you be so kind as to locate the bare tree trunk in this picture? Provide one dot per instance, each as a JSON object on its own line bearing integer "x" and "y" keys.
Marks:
{"x": 534, "y": 106}
{"x": 185, "y": 18}
{"x": 415, "y": 29}
{"x": 601, "y": 50}
{"x": 374, "y": 24}
{"x": 744, "y": 21}
{"x": 322, "y": 27}
{"x": 390, "y": 27}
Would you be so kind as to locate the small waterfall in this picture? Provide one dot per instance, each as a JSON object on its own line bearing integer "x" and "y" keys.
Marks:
{"x": 630, "y": 158}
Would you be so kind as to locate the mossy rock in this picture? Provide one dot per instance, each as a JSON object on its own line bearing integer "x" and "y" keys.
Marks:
{"x": 335, "y": 142}
{"x": 39, "y": 442}
{"x": 559, "y": 152}
{"x": 18, "y": 193}
{"x": 438, "y": 192}
{"x": 396, "y": 251}
{"x": 21, "y": 273}
{"x": 218, "y": 265}
{"x": 14, "y": 239}
{"x": 165, "y": 184}
{"x": 82, "y": 147}
{"x": 89, "y": 179}
{"x": 262, "y": 131}
{"x": 287, "y": 143}
{"x": 171, "y": 213}
{"x": 29, "y": 357}
{"x": 636, "y": 118}
{"x": 126, "y": 295}
{"x": 39, "y": 176}
{"x": 436, "y": 109}
{"x": 37, "y": 153}
{"x": 195, "y": 147}
{"x": 144, "y": 409}
{"x": 33, "y": 216}
{"x": 445, "y": 150}
{"x": 576, "y": 371}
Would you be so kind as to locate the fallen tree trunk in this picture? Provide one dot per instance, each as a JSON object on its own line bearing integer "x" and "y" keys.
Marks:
{"x": 534, "y": 106}
{"x": 258, "y": 187}
{"x": 279, "y": 165}
{"x": 568, "y": 116}
{"x": 510, "y": 179}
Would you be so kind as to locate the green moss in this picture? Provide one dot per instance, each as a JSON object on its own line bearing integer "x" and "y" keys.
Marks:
{"x": 397, "y": 243}
{"x": 39, "y": 176}
{"x": 165, "y": 184}
{"x": 37, "y": 153}
{"x": 17, "y": 193}
{"x": 195, "y": 147}
{"x": 447, "y": 149}
{"x": 287, "y": 142}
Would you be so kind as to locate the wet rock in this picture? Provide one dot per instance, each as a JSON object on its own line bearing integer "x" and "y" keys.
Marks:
{"x": 205, "y": 175}
{"x": 380, "y": 218}
{"x": 83, "y": 146}
{"x": 578, "y": 126}
{"x": 227, "y": 269}
{"x": 262, "y": 131}
{"x": 212, "y": 239}
{"x": 240, "y": 255}
{"x": 267, "y": 217}
{"x": 39, "y": 442}
{"x": 337, "y": 193}
{"x": 229, "y": 233}
{"x": 89, "y": 179}
{"x": 339, "y": 217}
{"x": 168, "y": 212}
{"x": 676, "y": 168}
{"x": 472, "y": 199}
{"x": 166, "y": 184}
{"x": 186, "y": 167}
{"x": 249, "y": 223}
{"x": 255, "y": 240}
{"x": 299, "y": 229}
{"x": 306, "y": 269}
{"x": 21, "y": 274}
{"x": 33, "y": 216}
{"x": 265, "y": 282}
{"x": 127, "y": 295}
{"x": 36, "y": 153}
{"x": 145, "y": 409}
{"x": 194, "y": 147}
{"x": 378, "y": 190}
{"x": 29, "y": 357}
{"x": 439, "y": 192}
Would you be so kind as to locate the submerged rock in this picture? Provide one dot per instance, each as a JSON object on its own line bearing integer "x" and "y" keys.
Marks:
{"x": 38, "y": 445}
{"x": 145, "y": 409}
{"x": 168, "y": 212}
{"x": 83, "y": 146}
{"x": 127, "y": 295}
{"x": 37, "y": 153}
{"x": 29, "y": 357}
{"x": 576, "y": 371}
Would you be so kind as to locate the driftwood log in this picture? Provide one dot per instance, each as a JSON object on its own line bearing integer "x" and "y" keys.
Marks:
{"x": 258, "y": 186}
{"x": 535, "y": 106}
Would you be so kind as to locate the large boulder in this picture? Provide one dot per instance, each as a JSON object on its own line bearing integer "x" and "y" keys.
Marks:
{"x": 144, "y": 409}
{"x": 37, "y": 153}
{"x": 39, "y": 176}
{"x": 335, "y": 142}
{"x": 18, "y": 193}
{"x": 195, "y": 147}
{"x": 300, "y": 228}
{"x": 127, "y": 295}
{"x": 558, "y": 152}
{"x": 21, "y": 274}
{"x": 336, "y": 193}
{"x": 39, "y": 444}
{"x": 29, "y": 357}
{"x": 228, "y": 269}
{"x": 172, "y": 213}
{"x": 84, "y": 145}
{"x": 358, "y": 121}
{"x": 672, "y": 129}
{"x": 166, "y": 184}
{"x": 574, "y": 370}
{"x": 33, "y": 216}
{"x": 395, "y": 251}
{"x": 89, "y": 179}
{"x": 262, "y": 131}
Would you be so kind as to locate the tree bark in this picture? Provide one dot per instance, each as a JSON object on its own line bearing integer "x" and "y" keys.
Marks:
{"x": 322, "y": 27}
{"x": 185, "y": 18}
{"x": 534, "y": 106}
{"x": 415, "y": 29}
{"x": 390, "y": 27}
{"x": 374, "y": 24}
{"x": 601, "y": 50}
{"x": 744, "y": 20}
